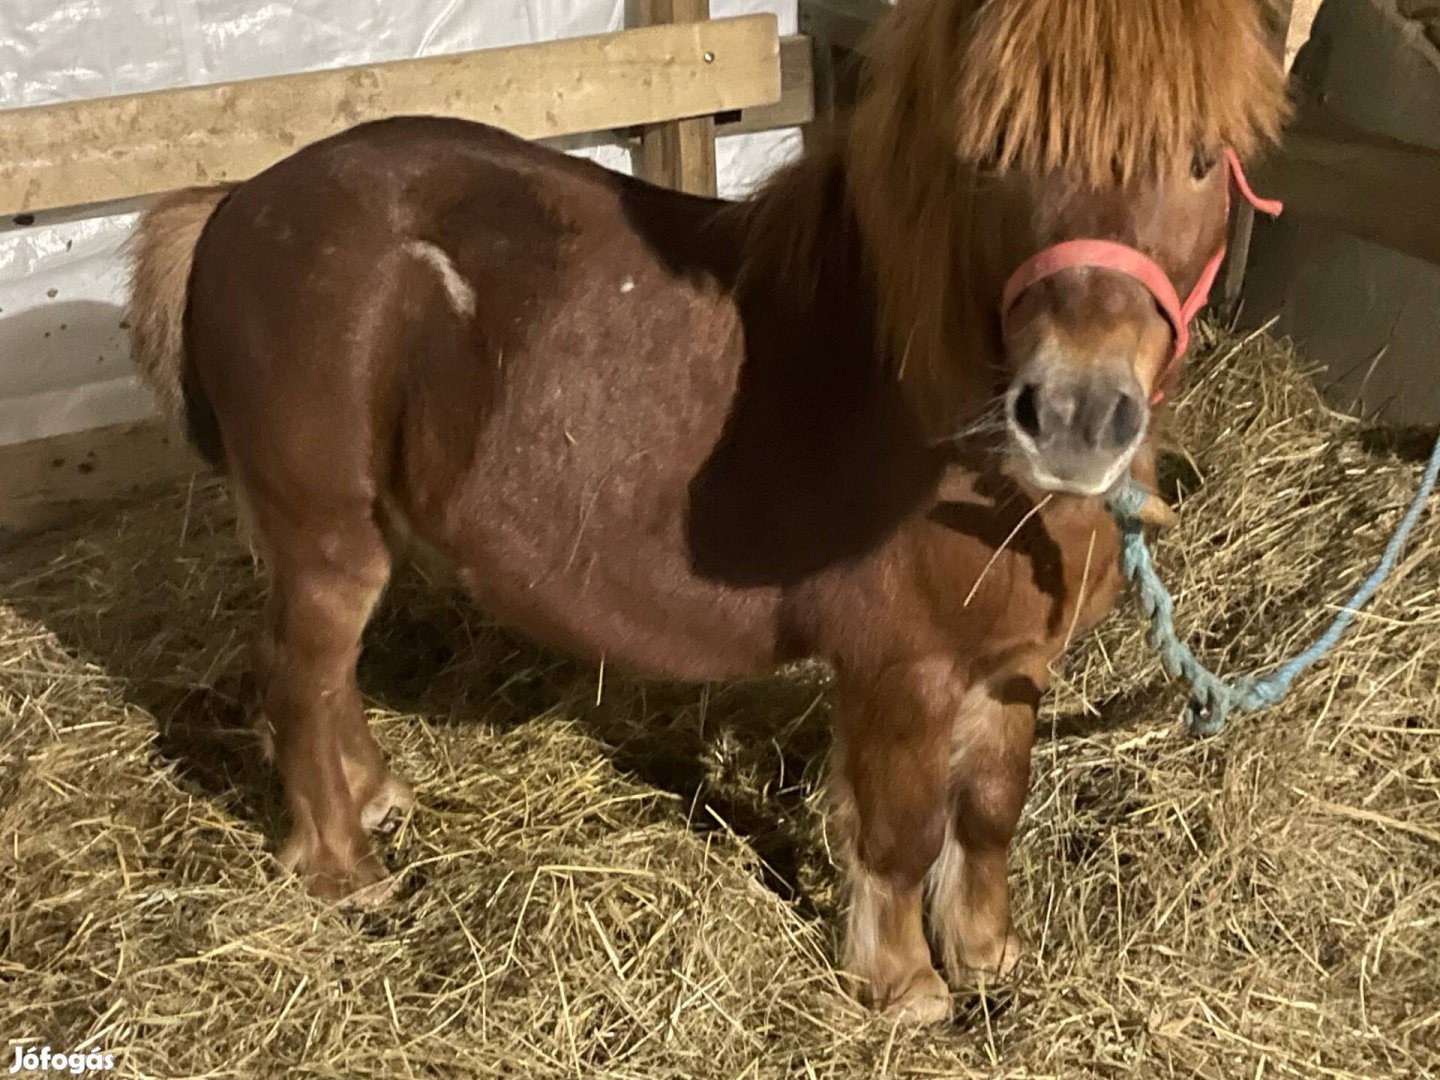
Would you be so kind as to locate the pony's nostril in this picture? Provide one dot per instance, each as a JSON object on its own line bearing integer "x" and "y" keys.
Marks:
{"x": 1027, "y": 410}
{"x": 1126, "y": 421}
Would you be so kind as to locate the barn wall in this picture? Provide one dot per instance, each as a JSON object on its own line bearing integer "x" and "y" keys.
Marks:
{"x": 63, "y": 360}
{"x": 1365, "y": 312}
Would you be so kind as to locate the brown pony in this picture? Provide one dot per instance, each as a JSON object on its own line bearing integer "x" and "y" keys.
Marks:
{"x": 699, "y": 439}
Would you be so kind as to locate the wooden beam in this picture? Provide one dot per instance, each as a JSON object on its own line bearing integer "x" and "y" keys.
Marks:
{"x": 112, "y": 148}
{"x": 47, "y": 482}
{"x": 679, "y": 154}
{"x": 796, "y": 106}
{"x": 1379, "y": 189}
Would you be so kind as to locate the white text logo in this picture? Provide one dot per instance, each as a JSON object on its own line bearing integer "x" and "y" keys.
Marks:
{"x": 29, "y": 1059}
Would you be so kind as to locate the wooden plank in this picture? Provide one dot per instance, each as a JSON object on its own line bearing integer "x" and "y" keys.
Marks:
{"x": 1379, "y": 189}
{"x": 46, "y": 482}
{"x": 796, "y": 106}
{"x": 679, "y": 154}
{"x": 110, "y": 148}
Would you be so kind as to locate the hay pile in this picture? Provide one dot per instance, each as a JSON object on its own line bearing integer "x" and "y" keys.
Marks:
{"x": 638, "y": 886}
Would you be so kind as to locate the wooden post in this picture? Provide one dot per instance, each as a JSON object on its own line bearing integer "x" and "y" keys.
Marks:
{"x": 837, "y": 30}
{"x": 1242, "y": 223}
{"x": 679, "y": 154}
{"x": 822, "y": 62}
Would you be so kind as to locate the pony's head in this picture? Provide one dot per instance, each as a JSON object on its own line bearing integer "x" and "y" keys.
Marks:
{"x": 1043, "y": 186}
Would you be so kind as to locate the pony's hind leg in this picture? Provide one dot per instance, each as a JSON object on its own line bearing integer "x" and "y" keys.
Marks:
{"x": 373, "y": 786}
{"x": 327, "y": 574}
{"x": 989, "y": 780}
{"x": 889, "y": 783}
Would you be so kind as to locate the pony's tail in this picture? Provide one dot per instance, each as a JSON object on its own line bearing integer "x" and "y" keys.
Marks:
{"x": 162, "y": 252}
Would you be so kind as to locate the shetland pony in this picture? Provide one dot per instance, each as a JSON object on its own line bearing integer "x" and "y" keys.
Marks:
{"x": 699, "y": 439}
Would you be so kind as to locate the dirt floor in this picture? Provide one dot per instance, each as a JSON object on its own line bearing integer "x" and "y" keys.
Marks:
{"x": 611, "y": 879}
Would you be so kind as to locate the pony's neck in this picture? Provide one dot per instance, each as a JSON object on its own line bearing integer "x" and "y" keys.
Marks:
{"x": 912, "y": 240}
{"x": 799, "y": 234}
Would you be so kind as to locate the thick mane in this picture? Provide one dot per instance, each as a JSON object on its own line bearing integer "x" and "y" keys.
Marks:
{"x": 1114, "y": 90}
{"x": 1108, "y": 91}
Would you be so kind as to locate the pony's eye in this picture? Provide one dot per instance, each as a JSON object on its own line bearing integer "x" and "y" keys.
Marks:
{"x": 1201, "y": 164}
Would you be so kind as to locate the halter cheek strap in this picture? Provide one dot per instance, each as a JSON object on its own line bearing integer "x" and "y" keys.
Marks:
{"x": 1123, "y": 259}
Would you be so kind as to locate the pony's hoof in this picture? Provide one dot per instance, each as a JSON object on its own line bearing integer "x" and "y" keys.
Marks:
{"x": 376, "y": 894}
{"x": 925, "y": 1001}
{"x": 392, "y": 796}
{"x": 986, "y": 967}
{"x": 362, "y": 881}
{"x": 367, "y": 885}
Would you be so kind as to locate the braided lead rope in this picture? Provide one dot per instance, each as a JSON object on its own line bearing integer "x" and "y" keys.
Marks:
{"x": 1213, "y": 699}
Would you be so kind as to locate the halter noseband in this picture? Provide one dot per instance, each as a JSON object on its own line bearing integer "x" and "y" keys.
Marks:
{"x": 1123, "y": 259}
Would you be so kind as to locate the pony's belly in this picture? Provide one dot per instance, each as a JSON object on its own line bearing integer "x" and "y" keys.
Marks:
{"x": 635, "y": 606}
{"x": 591, "y": 553}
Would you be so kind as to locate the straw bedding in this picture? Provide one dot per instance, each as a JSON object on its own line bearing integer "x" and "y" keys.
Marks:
{"x": 613, "y": 879}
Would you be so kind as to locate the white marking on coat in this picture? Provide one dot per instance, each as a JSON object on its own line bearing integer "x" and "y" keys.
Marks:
{"x": 460, "y": 291}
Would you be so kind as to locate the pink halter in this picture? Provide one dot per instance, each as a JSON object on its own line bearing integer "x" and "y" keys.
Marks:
{"x": 1110, "y": 255}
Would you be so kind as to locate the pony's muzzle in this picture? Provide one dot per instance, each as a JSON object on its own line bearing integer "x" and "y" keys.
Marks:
{"x": 1076, "y": 429}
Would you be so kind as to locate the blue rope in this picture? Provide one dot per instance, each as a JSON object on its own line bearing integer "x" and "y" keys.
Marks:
{"x": 1213, "y": 699}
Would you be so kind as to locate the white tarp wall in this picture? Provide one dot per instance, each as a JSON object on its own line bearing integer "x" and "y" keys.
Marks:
{"x": 63, "y": 359}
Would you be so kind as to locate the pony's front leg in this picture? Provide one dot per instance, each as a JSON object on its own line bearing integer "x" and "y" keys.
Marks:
{"x": 989, "y": 780}
{"x": 889, "y": 780}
